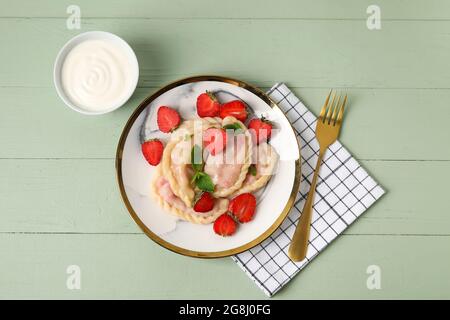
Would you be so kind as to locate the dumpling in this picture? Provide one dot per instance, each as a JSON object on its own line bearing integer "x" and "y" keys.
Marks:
{"x": 166, "y": 198}
{"x": 188, "y": 127}
{"x": 264, "y": 159}
{"x": 228, "y": 169}
{"x": 176, "y": 160}
{"x": 177, "y": 171}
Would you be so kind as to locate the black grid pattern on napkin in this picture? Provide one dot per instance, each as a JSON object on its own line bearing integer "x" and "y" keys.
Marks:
{"x": 344, "y": 191}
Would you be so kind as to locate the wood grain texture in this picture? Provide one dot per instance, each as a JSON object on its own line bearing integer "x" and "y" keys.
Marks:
{"x": 72, "y": 195}
{"x": 304, "y": 53}
{"x": 129, "y": 266}
{"x": 234, "y": 9}
{"x": 380, "y": 124}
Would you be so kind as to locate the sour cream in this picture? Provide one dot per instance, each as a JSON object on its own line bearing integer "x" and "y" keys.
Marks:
{"x": 97, "y": 75}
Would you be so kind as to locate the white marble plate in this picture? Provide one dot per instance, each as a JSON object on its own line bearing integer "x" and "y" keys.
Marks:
{"x": 135, "y": 174}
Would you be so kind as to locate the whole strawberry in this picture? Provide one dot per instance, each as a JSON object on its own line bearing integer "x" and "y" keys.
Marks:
{"x": 152, "y": 151}
{"x": 168, "y": 119}
{"x": 235, "y": 108}
{"x": 261, "y": 129}
{"x": 225, "y": 225}
{"x": 207, "y": 105}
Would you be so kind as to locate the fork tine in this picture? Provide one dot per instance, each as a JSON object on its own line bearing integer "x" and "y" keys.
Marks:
{"x": 330, "y": 109}
{"x": 341, "y": 111}
{"x": 332, "y": 119}
{"x": 324, "y": 108}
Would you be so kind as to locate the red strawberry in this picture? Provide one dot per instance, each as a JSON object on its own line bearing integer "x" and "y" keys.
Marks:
{"x": 205, "y": 203}
{"x": 243, "y": 207}
{"x": 168, "y": 119}
{"x": 207, "y": 105}
{"x": 224, "y": 225}
{"x": 152, "y": 151}
{"x": 235, "y": 108}
{"x": 261, "y": 129}
{"x": 214, "y": 140}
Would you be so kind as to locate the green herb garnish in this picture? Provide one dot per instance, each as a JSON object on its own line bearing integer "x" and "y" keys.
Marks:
{"x": 232, "y": 126}
{"x": 201, "y": 179}
{"x": 252, "y": 170}
{"x": 197, "y": 158}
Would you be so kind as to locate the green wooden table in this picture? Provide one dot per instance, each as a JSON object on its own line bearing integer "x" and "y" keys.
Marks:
{"x": 59, "y": 203}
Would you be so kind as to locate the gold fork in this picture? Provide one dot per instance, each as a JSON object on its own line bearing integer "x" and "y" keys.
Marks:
{"x": 327, "y": 131}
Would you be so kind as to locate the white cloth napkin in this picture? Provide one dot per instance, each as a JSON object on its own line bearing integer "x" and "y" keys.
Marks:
{"x": 344, "y": 191}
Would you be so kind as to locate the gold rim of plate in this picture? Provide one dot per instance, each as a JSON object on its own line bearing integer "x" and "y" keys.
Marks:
{"x": 156, "y": 238}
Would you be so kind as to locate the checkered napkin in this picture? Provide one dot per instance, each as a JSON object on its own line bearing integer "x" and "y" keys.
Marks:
{"x": 344, "y": 191}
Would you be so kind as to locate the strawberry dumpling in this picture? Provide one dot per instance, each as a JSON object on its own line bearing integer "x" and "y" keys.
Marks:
{"x": 165, "y": 196}
{"x": 177, "y": 170}
{"x": 228, "y": 168}
{"x": 264, "y": 161}
{"x": 176, "y": 159}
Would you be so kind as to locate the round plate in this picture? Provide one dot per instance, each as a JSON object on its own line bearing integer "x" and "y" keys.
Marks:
{"x": 135, "y": 174}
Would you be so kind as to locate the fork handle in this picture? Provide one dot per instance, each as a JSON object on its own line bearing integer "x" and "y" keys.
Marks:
{"x": 299, "y": 244}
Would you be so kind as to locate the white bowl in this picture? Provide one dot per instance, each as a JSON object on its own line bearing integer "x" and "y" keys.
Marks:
{"x": 94, "y": 35}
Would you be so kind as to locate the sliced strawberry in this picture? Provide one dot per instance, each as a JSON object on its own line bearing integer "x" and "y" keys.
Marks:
{"x": 168, "y": 119}
{"x": 235, "y": 108}
{"x": 207, "y": 105}
{"x": 225, "y": 225}
{"x": 261, "y": 129}
{"x": 205, "y": 203}
{"x": 152, "y": 151}
{"x": 243, "y": 207}
{"x": 214, "y": 140}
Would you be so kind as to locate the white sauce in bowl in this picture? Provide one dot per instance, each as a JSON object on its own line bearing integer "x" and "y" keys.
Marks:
{"x": 97, "y": 75}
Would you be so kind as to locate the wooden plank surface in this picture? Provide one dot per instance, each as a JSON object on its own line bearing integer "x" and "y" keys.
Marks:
{"x": 59, "y": 204}
{"x": 129, "y": 266}
{"x": 73, "y": 195}
{"x": 234, "y": 9}
{"x": 304, "y": 53}
{"x": 380, "y": 124}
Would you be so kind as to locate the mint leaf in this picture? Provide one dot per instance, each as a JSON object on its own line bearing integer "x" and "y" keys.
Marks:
{"x": 232, "y": 126}
{"x": 195, "y": 177}
{"x": 252, "y": 170}
{"x": 196, "y": 158}
{"x": 200, "y": 179}
{"x": 203, "y": 182}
